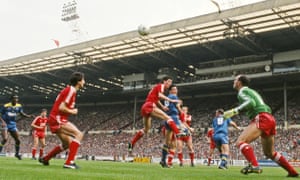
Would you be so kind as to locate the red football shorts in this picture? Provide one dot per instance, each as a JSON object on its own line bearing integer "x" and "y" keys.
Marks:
{"x": 185, "y": 138}
{"x": 39, "y": 134}
{"x": 147, "y": 108}
{"x": 266, "y": 123}
{"x": 55, "y": 123}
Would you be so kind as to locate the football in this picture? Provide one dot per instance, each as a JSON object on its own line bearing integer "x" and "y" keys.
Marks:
{"x": 143, "y": 30}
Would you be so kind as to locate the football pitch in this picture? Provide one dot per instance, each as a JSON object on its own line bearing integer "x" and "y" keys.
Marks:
{"x": 11, "y": 168}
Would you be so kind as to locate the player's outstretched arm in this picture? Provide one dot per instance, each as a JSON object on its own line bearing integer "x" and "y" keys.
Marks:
{"x": 163, "y": 97}
{"x": 230, "y": 113}
{"x": 27, "y": 115}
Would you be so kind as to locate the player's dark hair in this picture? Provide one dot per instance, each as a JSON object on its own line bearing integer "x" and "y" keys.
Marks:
{"x": 75, "y": 77}
{"x": 166, "y": 78}
{"x": 44, "y": 109}
{"x": 170, "y": 88}
{"x": 244, "y": 80}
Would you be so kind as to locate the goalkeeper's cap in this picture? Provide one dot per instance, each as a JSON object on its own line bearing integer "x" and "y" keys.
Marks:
{"x": 221, "y": 111}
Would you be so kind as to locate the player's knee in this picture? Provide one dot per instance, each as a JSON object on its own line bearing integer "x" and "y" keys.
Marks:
{"x": 79, "y": 136}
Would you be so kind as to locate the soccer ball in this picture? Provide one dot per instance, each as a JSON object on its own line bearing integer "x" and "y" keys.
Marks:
{"x": 143, "y": 30}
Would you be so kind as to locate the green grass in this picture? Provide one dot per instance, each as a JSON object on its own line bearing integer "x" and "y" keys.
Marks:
{"x": 26, "y": 169}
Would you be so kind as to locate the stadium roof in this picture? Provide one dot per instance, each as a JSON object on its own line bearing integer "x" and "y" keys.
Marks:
{"x": 249, "y": 33}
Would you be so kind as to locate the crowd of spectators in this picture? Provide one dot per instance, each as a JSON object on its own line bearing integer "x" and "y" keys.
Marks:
{"x": 115, "y": 144}
{"x": 109, "y": 127}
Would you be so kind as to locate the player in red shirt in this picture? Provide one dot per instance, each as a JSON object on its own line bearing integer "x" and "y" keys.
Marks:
{"x": 154, "y": 108}
{"x": 212, "y": 145}
{"x": 39, "y": 133}
{"x": 186, "y": 119}
{"x": 66, "y": 131}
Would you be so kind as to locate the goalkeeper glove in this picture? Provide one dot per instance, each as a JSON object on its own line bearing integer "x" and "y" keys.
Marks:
{"x": 229, "y": 113}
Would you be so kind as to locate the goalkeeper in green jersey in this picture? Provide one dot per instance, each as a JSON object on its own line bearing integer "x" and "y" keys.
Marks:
{"x": 262, "y": 124}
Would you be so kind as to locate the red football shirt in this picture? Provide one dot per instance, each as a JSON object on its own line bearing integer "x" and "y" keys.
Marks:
{"x": 40, "y": 121}
{"x": 153, "y": 94}
{"x": 186, "y": 118}
{"x": 67, "y": 95}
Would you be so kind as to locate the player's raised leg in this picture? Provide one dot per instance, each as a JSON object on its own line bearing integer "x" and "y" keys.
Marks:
{"x": 140, "y": 133}
{"x": 269, "y": 151}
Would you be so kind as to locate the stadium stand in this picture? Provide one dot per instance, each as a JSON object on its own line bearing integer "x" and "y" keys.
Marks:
{"x": 108, "y": 138}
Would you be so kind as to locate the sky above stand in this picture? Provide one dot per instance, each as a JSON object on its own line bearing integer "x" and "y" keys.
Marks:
{"x": 31, "y": 26}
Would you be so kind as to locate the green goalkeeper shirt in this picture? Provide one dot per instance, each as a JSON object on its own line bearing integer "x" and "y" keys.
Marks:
{"x": 251, "y": 102}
